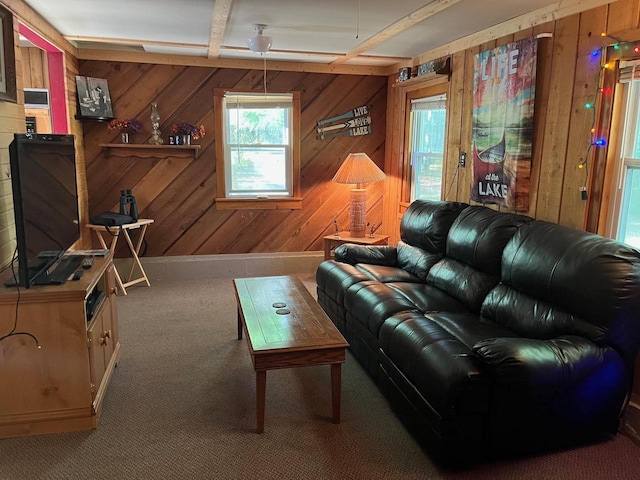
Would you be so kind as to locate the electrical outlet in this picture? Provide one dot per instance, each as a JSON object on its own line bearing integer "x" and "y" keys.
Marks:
{"x": 583, "y": 193}
{"x": 463, "y": 159}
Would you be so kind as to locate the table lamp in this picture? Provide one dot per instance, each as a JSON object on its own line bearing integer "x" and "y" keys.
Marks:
{"x": 358, "y": 169}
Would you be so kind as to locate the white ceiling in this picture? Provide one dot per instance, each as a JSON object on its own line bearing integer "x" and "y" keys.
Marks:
{"x": 322, "y": 31}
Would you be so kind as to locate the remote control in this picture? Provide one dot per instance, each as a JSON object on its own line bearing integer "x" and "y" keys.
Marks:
{"x": 87, "y": 262}
{"x": 77, "y": 275}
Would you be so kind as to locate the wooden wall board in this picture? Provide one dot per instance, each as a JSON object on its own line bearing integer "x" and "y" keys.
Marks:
{"x": 557, "y": 121}
{"x": 623, "y": 15}
{"x": 543, "y": 73}
{"x": 582, "y": 120}
{"x": 592, "y": 24}
{"x": 465, "y": 175}
{"x": 394, "y": 151}
{"x": 454, "y": 125}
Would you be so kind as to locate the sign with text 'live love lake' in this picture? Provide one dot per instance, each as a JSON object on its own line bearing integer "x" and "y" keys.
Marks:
{"x": 504, "y": 86}
{"x": 353, "y": 123}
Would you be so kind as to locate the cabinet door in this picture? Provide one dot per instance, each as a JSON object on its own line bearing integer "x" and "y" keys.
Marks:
{"x": 96, "y": 351}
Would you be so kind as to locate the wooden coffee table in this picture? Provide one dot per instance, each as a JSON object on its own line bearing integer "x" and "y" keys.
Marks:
{"x": 286, "y": 328}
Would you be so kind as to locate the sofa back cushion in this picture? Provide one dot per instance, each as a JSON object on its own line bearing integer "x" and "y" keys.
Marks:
{"x": 426, "y": 224}
{"x": 560, "y": 281}
{"x": 471, "y": 267}
{"x": 415, "y": 259}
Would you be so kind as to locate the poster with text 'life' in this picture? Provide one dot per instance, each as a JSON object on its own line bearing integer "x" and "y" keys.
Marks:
{"x": 502, "y": 136}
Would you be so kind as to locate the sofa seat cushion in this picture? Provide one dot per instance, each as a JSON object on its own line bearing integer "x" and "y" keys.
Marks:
{"x": 370, "y": 303}
{"x": 443, "y": 369}
{"x": 427, "y": 298}
{"x": 386, "y": 274}
{"x": 470, "y": 328}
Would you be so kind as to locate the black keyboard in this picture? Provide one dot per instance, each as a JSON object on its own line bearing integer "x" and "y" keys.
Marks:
{"x": 59, "y": 272}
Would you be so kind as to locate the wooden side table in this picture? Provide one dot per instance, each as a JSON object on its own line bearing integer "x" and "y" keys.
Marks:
{"x": 114, "y": 232}
{"x": 333, "y": 241}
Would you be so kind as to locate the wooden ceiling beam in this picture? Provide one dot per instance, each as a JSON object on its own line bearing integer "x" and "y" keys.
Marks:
{"x": 555, "y": 11}
{"x": 134, "y": 42}
{"x": 187, "y": 60}
{"x": 398, "y": 27}
{"x": 221, "y": 9}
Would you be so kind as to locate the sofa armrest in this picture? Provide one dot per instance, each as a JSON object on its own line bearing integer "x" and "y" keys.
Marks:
{"x": 559, "y": 362}
{"x": 370, "y": 254}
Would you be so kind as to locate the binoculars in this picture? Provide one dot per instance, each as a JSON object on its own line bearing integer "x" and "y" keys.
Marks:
{"x": 127, "y": 198}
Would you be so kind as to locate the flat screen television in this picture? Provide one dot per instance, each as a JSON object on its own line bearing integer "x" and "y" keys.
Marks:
{"x": 45, "y": 201}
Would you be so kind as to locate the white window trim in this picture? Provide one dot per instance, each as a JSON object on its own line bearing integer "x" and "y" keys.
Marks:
{"x": 624, "y": 144}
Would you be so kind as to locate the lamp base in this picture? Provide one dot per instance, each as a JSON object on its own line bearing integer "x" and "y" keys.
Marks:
{"x": 358, "y": 212}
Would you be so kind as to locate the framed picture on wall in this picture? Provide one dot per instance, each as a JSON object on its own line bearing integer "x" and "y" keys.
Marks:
{"x": 7, "y": 57}
{"x": 93, "y": 98}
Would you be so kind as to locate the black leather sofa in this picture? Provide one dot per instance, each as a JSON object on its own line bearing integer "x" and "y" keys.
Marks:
{"x": 491, "y": 334}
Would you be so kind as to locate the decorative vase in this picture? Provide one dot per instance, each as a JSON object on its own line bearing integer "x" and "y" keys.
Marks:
{"x": 155, "y": 121}
{"x": 124, "y": 137}
{"x": 185, "y": 140}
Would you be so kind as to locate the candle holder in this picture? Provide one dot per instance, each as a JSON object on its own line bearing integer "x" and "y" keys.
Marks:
{"x": 156, "y": 138}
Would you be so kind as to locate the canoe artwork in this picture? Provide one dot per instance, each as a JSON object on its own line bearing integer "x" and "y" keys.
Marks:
{"x": 502, "y": 137}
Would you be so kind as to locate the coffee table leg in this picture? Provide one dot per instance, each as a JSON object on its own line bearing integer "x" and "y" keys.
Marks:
{"x": 261, "y": 387}
{"x": 336, "y": 384}
{"x": 239, "y": 326}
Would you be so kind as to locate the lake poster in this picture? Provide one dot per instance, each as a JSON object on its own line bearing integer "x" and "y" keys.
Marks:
{"x": 504, "y": 96}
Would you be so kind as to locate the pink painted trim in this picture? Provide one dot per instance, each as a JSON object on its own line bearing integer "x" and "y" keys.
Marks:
{"x": 36, "y": 39}
{"x": 58, "y": 93}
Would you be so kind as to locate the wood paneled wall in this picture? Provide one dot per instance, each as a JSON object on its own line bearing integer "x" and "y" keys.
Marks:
{"x": 567, "y": 78}
{"x": 35, "y": 68}
{"x": 178, "y": 191}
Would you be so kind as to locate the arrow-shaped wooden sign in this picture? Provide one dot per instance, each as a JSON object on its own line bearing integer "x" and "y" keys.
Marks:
{"x": 356, "y": 122}
{"x": 356, "y": 112}
{"x": 352, "y": 132}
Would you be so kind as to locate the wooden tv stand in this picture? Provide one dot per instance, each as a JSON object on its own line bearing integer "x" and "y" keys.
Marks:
{"x": 60, "y": 386}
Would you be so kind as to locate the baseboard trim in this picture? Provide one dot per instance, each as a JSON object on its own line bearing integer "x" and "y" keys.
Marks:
{"x": 631, "y": 422}
{"x": 225, "y": 265}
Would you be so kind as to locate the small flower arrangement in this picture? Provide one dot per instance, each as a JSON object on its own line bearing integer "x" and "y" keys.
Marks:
{"x": 132, "y": 125}
{"x": 184, "y": 128}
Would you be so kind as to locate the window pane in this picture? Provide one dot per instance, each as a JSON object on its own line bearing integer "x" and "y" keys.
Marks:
{"x": 258, "y": 170}
{"x": 265, "y": 126}
{"x": 629, "y": 231}
{"x": 428, "y": 137}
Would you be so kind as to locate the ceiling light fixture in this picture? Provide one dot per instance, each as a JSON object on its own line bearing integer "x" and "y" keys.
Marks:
{"x": 259, "y": 43}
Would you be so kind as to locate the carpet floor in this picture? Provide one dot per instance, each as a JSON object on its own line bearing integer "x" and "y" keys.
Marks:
{"x": 181, "y": 405}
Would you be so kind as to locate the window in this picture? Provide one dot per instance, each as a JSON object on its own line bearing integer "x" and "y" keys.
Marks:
{"x": 625, "y": 218}
{"x": 258, "y": 155}
{"x": 428, "y": 128}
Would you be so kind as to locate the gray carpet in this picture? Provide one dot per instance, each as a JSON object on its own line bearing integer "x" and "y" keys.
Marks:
{"x": 181, "y": 405}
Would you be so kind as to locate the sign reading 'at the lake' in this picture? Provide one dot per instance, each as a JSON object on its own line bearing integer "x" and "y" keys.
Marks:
{"x": 504, "y": 86}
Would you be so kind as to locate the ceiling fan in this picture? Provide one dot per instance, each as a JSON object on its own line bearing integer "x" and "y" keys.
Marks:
{"x": 259, "y": 43}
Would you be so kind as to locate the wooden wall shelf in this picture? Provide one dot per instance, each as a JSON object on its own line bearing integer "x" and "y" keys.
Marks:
{"x": 150, "y": 150}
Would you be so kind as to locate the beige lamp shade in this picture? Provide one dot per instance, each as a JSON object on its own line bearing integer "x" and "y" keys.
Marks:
{"x": 358, "y": 169}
